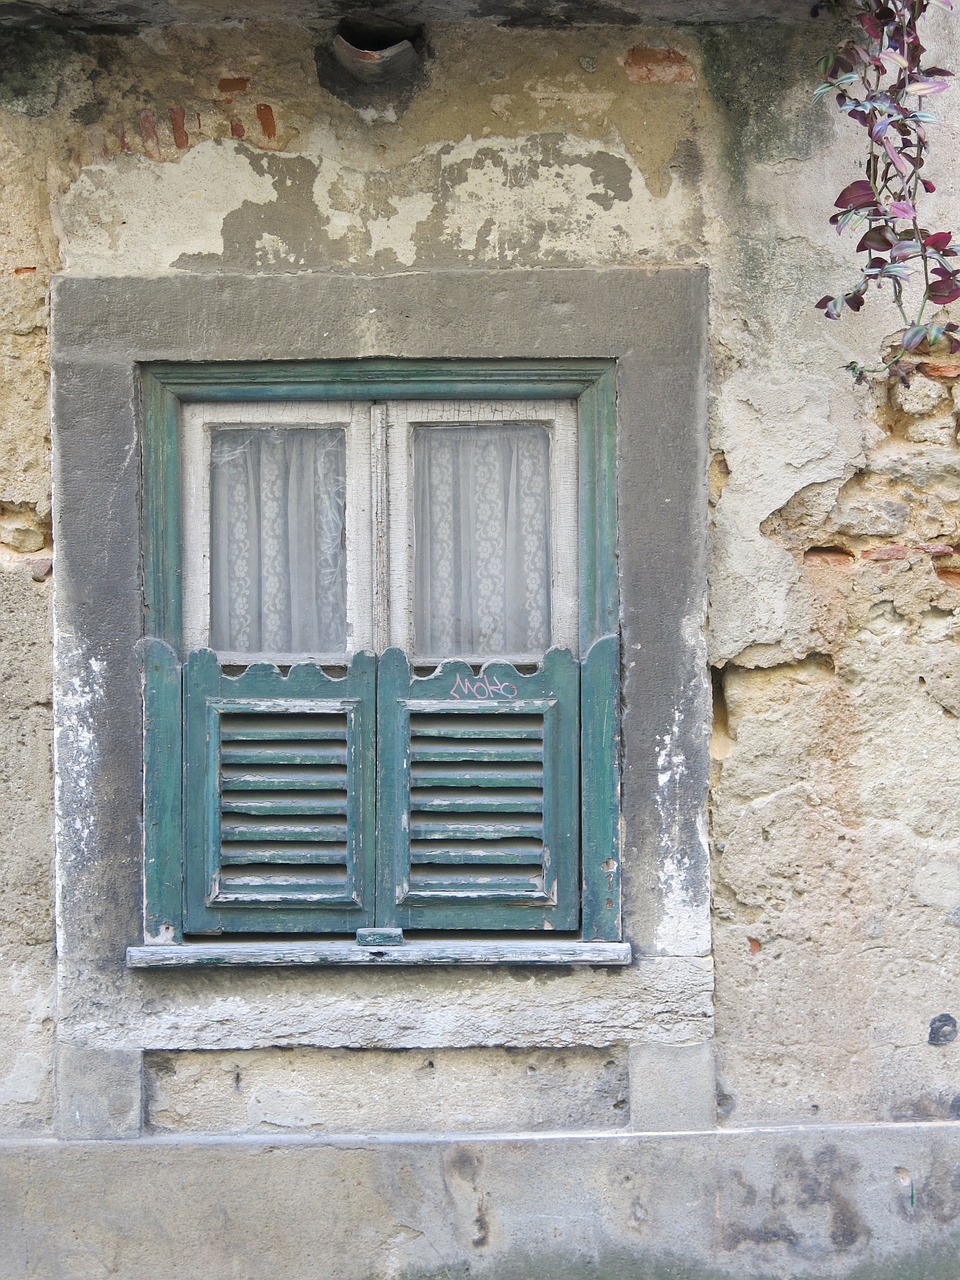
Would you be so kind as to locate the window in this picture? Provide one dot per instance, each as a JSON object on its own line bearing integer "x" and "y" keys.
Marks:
{"x": 382, "y": 654}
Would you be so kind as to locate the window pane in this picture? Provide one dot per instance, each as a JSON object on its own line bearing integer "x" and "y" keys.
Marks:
{"x": 481, "y": 540}
{"x": 277, "y": 541}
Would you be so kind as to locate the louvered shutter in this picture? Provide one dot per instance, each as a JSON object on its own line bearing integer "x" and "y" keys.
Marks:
{"x": 479, "y": 795}
{"x": 279, "y": 797}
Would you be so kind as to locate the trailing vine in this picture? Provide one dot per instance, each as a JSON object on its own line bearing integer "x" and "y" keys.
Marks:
{"x": 881, "y": 83}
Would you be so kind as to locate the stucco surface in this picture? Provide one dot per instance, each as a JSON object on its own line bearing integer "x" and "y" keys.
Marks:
{"x": 834, "y": 604}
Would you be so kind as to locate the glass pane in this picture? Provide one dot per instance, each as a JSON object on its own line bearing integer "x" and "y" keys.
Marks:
{"x": 277, "y": 541}
{"x": 481, "y": 540}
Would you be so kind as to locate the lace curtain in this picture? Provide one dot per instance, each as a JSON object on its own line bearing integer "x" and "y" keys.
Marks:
{"x": 278, "y": 568}
{"x": 481, "y": 564}
{"x": 481, "y": 540}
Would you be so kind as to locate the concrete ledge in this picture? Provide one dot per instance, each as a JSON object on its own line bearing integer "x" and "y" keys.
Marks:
{"x": 831, "y": 1203}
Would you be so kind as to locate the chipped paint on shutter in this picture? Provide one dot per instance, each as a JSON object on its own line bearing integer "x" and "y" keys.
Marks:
{"x": 479, "y": 795}
{"x": 600, "y": 782}
{"x": 280, "y": 795}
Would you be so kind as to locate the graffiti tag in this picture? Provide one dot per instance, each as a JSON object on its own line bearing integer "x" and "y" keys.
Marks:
{"x": 485, "y": 686}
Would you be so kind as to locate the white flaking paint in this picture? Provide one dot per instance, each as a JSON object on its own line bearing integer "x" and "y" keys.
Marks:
{"x": 134, "y": 215}
{"x": 397, "y": 234}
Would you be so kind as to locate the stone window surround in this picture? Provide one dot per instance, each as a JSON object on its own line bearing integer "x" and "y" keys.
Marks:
{"x": 653, "y": 322}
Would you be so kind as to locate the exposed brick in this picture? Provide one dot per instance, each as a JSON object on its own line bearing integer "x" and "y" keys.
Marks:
{"x": 884, "y": 553}
{"x": 936, "y": 548}
{"x": 148, "y": 131}
{"x": 946, "y": 368}
{"x": 233, "y": 84}
{"x": 834, "y": 557}
{"x": 180, "y": 135}
{"x": 267, "y": 122}
{"x": 647, "y": 65}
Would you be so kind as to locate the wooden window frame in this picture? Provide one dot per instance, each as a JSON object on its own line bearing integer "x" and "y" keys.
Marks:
{"x": 166, "y": 389}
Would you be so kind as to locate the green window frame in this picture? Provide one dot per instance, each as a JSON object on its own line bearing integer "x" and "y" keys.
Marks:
{"x": 204, "y": 723}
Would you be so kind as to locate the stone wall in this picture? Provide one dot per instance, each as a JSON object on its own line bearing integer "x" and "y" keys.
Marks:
{"x": 835, "y": 585}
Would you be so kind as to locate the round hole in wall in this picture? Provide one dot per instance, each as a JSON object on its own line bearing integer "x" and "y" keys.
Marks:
{"x": 373, "y": 50}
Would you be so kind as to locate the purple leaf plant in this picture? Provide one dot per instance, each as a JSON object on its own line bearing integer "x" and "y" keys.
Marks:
{"x": 880, "y": 81}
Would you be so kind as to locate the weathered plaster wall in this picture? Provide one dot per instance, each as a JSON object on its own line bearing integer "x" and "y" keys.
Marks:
{"x": 834, "y": 606}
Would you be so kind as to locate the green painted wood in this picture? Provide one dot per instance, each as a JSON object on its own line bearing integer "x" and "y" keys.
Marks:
{"x": 599, "y": 596}
{"x": 381, "y": 379}
{"x": 444, "y": 720}
{"x": 162, "y": 816}
{"x": 465, "y": 751}
{"x": 600, "y": 729}
{"x": 432, "y": 775}
{"x": 239, "y": 876}
{"x": 506, "y": 852}
{"x": 232, "y": 779}
{"x": 540, "y": 888}
{"x": 282, "y": 755}
{"x": 456, "y": 831}
{"x": 295, "y": 831}
{"x": 478, "y": 801}
{"x": 606, "y": 532}
{"x": 452, "y": 748}
{"x": 287, "y": 805}
{"x": 293, "y": 954}
{"x": 379, "y": 937}
{"x": 161, "y": 512}
{"x": 283, "y": 855}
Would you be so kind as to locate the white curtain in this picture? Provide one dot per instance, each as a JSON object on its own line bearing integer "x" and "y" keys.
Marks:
{"x": 481, "y": 540}
{"x": 277, "y": 565}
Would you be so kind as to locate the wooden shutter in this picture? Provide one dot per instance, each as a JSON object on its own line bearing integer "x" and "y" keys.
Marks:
{"x": 479, "y": 795}
{"x": 279, "y": 797}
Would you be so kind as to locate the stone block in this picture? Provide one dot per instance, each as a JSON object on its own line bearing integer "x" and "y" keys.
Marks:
{"x": 936, "y": 430}
{"x": 921, "y": 395}
{"x": 672, "y": 1087}
{"x": 401, "y": 1091}
{"x": 99, "y": 1092}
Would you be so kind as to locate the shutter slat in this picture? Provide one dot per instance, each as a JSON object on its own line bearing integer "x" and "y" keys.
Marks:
{"x": 305, "y": 832}
{"x": 482, "y": 799}
{"x": 482, "y": 753}
{"x": 456, "y": 724}
{"x": 456, "y": 831}
{"x": 283, "y": 778}
{"x": 507, "y": 774}
{"x": 267, "y": 727}
{"x": 494, "y": 889}
{"x": 271, "y": 755}
{"x": 255, "y": 853}
{"x": 479, "y": 853}
{"x": 283, "y": 805}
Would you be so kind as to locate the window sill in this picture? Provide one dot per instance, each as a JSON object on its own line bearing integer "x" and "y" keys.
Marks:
{"x": 238, "y": 954}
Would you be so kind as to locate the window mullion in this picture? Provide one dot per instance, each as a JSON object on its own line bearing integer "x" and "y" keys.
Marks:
{"x": 381, "y": 526}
